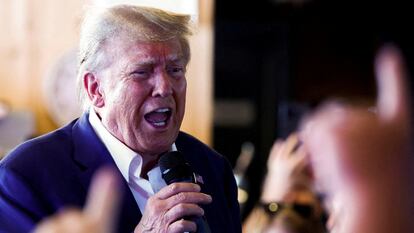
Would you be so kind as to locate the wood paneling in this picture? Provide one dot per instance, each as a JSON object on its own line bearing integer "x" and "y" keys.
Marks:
{"x": 36, "y": 33}
{"x": 198, "y": 118}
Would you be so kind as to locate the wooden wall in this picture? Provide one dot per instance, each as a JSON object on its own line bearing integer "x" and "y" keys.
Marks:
{"x": 35, "y": 33}
{"x": 198, "y": 118}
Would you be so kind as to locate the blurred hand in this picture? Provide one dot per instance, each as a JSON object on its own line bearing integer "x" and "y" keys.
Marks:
{"x": 363, "y": 160}
{"x": 165, "y": 211}
{"x": 98, "y": 215}
{"x": 287, "y": 169}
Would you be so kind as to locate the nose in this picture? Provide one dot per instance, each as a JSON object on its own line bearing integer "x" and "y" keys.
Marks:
{"x": 162, "y": 85}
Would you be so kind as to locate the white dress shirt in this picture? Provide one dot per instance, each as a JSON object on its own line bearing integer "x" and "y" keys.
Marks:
{"x": 129, "y": 164}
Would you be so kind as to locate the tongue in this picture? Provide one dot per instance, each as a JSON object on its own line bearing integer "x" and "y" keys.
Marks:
{"x": 155, "y": 117}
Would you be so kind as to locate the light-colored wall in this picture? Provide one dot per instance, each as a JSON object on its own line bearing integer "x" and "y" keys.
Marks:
{"x": 35, "y": 33}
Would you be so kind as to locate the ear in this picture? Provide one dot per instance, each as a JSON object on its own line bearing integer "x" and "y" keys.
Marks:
{"x": 93, "y": 88}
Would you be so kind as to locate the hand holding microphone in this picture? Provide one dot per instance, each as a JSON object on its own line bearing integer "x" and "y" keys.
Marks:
{"x": 169, "y": 209}
{"x": 175, "y": 169}
{"x": 166, "y": 211}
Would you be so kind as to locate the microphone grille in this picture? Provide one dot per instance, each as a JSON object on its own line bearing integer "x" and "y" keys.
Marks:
{"x": 170, "y": 160}
{"x": 174, "y": 168}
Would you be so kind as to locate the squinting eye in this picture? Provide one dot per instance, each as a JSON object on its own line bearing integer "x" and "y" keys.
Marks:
{"x": 176, "y": 71}
{"x": 140, "y": 74}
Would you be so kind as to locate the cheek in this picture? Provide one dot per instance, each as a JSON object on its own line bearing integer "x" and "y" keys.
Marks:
{"x": 121, "y": 104}
{"x": 132, "y": 95}
{"x": 181, "y": 100}
{"x": 126, "y": 104}
{"x": 182, "y": 90}
{"x": 113, "y": 92}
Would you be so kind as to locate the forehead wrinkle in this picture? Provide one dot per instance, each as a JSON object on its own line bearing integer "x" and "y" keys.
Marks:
{"x": 145, "y": 62}
{"x": 124, "y": 70}
{"x": 152, "y": 52}
{"x": 148, "y": 56}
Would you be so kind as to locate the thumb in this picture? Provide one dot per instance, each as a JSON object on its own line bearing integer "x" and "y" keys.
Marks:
{"x": 393, "y": 96}
{"x": 103, "y": 199}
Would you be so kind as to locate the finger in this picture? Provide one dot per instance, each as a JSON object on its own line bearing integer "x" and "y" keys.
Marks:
{"x": 328, "y": 117}
{"x": 317, "y": 135}
{"x": 182, "y": 225}
{"x": 188, "y": 197}
{"x": 73, "y": 220}
{"x": 175, "y": 188}
{"x": 50, "y": 225}
{"x": 103, "y": 198}
{"x": 300, "y": 160}
{"x": 393, "y": 96}
{"x": 274, "y": 152}
{"x": 290, "y": 145}
{"x": 68, "y": 220}
{"x": 181, "y": 210}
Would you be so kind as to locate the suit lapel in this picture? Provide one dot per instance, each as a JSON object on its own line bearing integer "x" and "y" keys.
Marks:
{"x": 197, "y": 163}
{"x": 90, "y": 154}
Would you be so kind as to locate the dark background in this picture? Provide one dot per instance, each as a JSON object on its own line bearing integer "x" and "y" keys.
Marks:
{"x": 286, "y": 58}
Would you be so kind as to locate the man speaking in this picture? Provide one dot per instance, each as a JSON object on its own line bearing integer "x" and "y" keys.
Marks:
{"x": 131, "y": 78}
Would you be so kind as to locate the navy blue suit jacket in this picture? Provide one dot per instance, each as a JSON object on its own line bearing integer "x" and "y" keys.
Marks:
{"x": 43, "y": 175}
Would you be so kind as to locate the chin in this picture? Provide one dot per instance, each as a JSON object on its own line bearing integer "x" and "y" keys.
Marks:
{"x": 159, "y": 151}
{"x": 161, "y": 146}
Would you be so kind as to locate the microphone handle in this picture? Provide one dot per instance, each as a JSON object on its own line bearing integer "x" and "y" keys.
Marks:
{"x": 201, "y": 222}
{"x": 175, "y": 169}
{"x": 202, "y": 226}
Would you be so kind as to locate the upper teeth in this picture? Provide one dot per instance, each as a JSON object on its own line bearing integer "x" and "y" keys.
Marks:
{"x": 162, "y": 110}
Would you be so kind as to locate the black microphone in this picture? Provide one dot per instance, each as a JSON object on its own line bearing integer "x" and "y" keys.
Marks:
{"x": 174, "y": 168}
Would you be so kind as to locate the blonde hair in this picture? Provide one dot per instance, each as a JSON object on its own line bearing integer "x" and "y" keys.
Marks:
{"x": 134, "y": 22}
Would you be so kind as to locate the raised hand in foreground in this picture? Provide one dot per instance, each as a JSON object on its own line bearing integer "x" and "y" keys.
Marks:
{"x": 99, "y": 214}
{"x": 364, "y": 160}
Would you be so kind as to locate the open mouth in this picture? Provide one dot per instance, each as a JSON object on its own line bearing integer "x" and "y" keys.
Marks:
{"x": 159, "y": 117}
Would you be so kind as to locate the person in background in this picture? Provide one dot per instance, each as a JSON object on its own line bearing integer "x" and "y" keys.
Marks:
{"x": 131, "y": 78}
{"x": 4, "y": 109}
{"x": 16, "y": 126}
{"x": 364, "y": 160}
{"x": 288, "y": 202}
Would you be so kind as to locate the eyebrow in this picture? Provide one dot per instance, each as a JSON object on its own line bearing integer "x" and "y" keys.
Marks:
{"x": 151, "y": 61}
